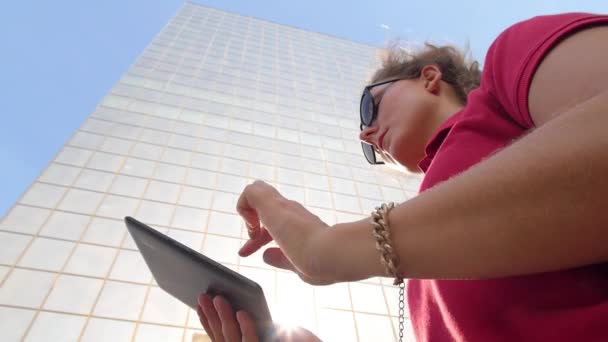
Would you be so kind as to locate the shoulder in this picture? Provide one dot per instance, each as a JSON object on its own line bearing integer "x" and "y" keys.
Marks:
{"x": 576, "y": 69}
{"x": 515, "y": 45}
{"x": 517, "y": 52}
{"x": 534, "y": 31}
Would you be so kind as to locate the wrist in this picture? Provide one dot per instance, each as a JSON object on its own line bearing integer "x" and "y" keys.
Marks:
{"x": 347, "y": 252}
{"x": 321, "y": 262}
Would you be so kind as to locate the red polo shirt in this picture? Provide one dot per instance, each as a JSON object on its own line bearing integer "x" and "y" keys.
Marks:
{"x": 569, "y": 305}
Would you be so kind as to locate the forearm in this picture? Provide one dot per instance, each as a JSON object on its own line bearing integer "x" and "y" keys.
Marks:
{"x": 538, "y": 205}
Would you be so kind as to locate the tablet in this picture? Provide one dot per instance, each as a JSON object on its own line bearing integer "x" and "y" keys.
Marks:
{"x": 185, "y": 273}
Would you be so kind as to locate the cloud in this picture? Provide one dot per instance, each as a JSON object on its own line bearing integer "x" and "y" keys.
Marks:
{"x": 384, "y": 26}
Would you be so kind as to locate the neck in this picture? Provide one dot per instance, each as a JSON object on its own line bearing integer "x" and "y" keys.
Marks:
{"x": 447, "y": 108}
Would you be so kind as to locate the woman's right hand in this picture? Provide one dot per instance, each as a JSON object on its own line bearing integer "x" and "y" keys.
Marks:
{"x": 298, "y": 232}
{"x": 222, "y": 325}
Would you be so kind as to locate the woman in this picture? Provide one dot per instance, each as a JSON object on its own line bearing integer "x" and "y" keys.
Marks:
{"x": 507, "y": 239}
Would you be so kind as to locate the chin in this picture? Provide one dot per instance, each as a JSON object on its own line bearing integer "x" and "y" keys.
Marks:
{"x": 413, "y": 169}
{"x": 406, "y": 167}
{"x": 397, "y": 167}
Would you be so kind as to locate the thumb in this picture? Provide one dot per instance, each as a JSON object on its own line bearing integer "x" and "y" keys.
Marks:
{"x": 275, "y": 257}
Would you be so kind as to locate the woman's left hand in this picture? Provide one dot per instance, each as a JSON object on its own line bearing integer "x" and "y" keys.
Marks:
{"x": 222, "y": 324}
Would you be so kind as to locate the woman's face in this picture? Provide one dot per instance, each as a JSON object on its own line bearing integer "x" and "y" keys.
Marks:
{"x": 407, "y": 117}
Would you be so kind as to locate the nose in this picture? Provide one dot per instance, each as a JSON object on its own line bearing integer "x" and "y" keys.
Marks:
{"x": 369, "y": 135}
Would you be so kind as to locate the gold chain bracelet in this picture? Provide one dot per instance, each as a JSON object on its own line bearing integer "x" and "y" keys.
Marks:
{"x": 388, "y": 257}
{"x": 384, "y": 245}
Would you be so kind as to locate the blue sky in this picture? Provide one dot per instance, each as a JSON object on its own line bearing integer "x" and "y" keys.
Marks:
{"x": 59, "y": 58}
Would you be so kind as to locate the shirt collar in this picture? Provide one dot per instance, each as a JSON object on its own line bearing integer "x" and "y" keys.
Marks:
{"x": 436, "y": 140}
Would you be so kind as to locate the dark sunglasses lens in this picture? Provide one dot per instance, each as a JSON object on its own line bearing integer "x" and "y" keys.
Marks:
{"x": 367, "y": 108}
{"x": 368, "y": 151}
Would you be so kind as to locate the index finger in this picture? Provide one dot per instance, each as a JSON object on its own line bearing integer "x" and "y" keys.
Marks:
{"x": 246, "y": 208}
{"x": 255, "y": 242}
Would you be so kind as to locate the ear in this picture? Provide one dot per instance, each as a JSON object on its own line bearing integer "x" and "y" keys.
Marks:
{"x": 431, "y": 76}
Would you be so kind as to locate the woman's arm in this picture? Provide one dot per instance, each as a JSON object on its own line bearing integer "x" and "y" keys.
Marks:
{"x": 541, "y": 204}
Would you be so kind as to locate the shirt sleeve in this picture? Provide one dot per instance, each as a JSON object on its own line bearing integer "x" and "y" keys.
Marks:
{"x": 515, "y": 55}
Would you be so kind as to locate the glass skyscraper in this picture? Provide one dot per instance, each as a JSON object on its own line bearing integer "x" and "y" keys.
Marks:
{"x": 215, "y": 101}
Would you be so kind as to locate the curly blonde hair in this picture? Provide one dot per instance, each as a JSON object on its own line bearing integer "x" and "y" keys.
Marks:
{"x": 462, "y": 73}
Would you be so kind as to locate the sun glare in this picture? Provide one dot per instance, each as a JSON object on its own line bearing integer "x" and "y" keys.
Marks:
{"x": 286, "y": 317}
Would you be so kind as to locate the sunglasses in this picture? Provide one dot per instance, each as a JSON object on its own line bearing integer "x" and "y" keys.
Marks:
{"x": 368, "y": 111}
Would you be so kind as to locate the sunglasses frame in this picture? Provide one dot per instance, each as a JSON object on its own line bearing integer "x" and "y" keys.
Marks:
{"x": 368, "y": 149}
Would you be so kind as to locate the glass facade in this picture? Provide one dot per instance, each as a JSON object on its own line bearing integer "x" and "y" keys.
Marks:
{"x": 215, "y": 101}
